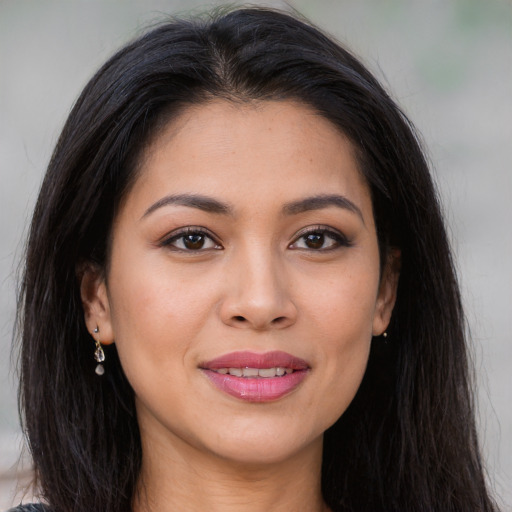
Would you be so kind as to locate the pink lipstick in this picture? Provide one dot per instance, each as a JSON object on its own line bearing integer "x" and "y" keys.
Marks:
{"x": 256, "y": 377}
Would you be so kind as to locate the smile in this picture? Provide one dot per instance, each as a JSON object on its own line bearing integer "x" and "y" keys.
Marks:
{"x": 256, "y": 377}
{"x": 264, "y": 373}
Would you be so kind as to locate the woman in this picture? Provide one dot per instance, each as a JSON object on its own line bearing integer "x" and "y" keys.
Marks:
{"x": 238, "y": 291}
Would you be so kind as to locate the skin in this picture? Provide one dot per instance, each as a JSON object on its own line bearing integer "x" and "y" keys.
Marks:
{"x": 259, "y": 284}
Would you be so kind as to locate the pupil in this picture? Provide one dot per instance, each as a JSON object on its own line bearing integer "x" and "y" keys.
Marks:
{"x": 193, "y": 241}
{"x": 315, "y": 240}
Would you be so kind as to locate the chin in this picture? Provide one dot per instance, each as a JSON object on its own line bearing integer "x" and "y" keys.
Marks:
{"x": 263, "y": 445}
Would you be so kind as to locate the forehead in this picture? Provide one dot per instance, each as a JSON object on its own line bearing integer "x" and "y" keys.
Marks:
{"x": 250, "y": 151}
{"x": 223, "y": 125}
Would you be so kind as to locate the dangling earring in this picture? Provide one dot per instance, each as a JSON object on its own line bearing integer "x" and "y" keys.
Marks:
{"x": 99, "y": 355}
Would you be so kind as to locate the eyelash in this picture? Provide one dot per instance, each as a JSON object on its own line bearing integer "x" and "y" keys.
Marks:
{"x": 189, "y": 231}
{"x": 339, "y": 240}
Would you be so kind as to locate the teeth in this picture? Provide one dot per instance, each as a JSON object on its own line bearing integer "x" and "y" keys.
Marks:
{"x": 255, "y": 372}
{"x": 267, "y": 372}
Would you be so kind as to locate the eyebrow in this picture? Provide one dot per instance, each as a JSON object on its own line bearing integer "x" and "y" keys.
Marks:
{"x": 204, "y": 203}
{"x": 319, "y": 202}
{"x": 210, "y": 205}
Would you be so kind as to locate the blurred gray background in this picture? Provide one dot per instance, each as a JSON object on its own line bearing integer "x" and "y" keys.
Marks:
{"x": 448, "y": 63}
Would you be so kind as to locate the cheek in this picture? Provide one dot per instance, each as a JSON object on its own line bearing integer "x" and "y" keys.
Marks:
{"x": 342, "y": 319}
{"x": 344, "y": 369}
{"x": 343, "y": 306}
{"x": 155, "y": 314}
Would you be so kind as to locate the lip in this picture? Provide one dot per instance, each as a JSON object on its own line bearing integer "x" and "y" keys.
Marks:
{"x": 255, "y": 389}
{"x": 246, "y": 359}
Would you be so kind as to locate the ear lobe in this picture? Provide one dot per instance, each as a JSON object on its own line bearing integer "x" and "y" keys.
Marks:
{"x": 387, "y": 292}
{"x": 95, "y": 301}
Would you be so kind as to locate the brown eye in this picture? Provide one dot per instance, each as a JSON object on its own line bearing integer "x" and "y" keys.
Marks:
{"x": 191, "y": 239}
{"x": 194, "y": 242}
{"x": 320, "y": 239}
{"x": 314, "y": 240}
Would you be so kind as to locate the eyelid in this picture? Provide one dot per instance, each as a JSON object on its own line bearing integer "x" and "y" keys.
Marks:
{"x": 167, "y": 240}
{"x": 342, "y": 239}
{"x": 337, "y": 235}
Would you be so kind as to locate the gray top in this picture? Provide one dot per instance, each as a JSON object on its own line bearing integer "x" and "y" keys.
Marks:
{"x": 32, "y": 507}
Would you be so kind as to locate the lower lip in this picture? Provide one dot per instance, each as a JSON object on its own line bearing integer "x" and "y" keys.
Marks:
{"x": 256, "y": 389}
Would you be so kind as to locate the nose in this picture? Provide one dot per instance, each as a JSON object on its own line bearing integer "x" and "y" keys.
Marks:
{"x": 258, "y": 295}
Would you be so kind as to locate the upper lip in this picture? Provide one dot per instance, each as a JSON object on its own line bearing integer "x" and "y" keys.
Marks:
{"x": 247, "y": 359}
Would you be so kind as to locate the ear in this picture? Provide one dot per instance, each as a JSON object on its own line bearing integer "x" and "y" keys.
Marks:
{"x": 387, "y": 292}
{"x": 95, "y": 301}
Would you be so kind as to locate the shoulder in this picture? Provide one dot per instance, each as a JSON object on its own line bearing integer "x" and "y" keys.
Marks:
{"x": 33, "y": 507}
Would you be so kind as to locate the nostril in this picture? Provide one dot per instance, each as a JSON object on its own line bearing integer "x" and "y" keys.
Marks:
{"x": 239, "y": 318}
{"x": 278, "y": 320}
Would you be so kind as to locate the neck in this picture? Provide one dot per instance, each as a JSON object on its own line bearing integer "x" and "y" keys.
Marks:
{"x": 177, "y": 476}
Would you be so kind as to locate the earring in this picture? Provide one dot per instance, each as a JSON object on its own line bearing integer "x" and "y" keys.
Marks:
{"x": 99, "y": 355}
{"x": 385, "y": 334}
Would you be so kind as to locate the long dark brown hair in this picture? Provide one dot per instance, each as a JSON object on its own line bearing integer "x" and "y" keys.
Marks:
{"x": 407, "y": 442}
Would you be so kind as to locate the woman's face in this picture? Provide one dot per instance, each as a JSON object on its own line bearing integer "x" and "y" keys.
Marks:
{"x": 244, "y": 283}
